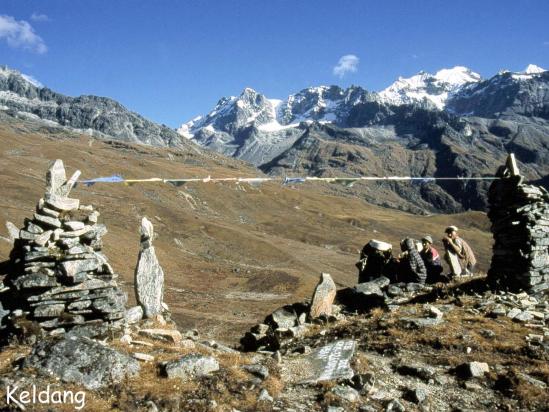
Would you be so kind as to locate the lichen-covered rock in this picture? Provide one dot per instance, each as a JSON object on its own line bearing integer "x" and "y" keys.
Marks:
{"x": 190, "y": 366}
{"x": 82, "y": 361}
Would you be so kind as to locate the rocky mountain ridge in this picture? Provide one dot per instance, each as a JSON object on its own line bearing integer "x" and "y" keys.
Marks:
{"x": 21, "y": 96}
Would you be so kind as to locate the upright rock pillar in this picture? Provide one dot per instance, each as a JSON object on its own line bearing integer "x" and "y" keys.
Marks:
{"x": 323, "y": 297}
{"x": 149, "y": 276}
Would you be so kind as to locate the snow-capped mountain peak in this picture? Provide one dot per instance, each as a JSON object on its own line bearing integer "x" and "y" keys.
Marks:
{"x": 457, "y": 76}
{"x": 428, "y": 88}
{"x": 250, "y": 108}
{"x": 533, "y": 69}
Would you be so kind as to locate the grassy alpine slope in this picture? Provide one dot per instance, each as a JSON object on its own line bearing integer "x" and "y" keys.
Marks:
{"x": 231, "y": 253}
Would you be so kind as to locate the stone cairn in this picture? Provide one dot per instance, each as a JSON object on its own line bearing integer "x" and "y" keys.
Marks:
{"x": 58, "y": 276}
{"x": 520, "y": 224}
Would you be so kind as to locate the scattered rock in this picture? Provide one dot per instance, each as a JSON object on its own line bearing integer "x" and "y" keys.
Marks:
{"x": 346, "y": 393}
{"x": 143, "y": 357}
{"x": 418, "y": 323}
{"x": 434, "y": 312}
{"x": 425, "y": 373}
{"x": 395, "y": 406}
{"x": 190, "y": 366}
{"x": 416, "y": 395}
{"x": 472, "y": 370}
{"x": 488, "y": 333}
{"x": 513, "y": 313}
{"x": 134, "y": 315}
{"x": 257, "y": 370}
{"x": 264, "y": 396}
{"x": 168, "y": 335}
{"x": 364, "y": 383}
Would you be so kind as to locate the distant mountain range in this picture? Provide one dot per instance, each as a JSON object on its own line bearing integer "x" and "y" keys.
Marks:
{"x": 451, "y": 123}
{"x": 21, "y": 96}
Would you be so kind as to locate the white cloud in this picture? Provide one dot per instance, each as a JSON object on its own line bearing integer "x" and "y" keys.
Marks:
{"x": 20, "y": 34}
{"x": 346, "y": 64}
{"x": 39, "y": 17}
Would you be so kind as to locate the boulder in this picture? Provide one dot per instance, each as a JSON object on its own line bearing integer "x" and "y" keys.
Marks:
{"x": 257, "y": 370}
{"x": 191, "y": 366}
{"x": 472, "y": 370}
{"x": 364, "y": 296}
{"x": 83, "y": 361}
{"x": 284, "y": 317}
{"x": 323, "y": 297}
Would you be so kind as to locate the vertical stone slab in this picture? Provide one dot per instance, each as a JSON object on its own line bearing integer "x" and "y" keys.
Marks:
{"x": 323, "y": 297}
{"x": 55, "y": 177}
{"x": 149, "y": 276}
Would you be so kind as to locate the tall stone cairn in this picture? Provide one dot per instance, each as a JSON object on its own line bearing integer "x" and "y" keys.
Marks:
{"x": 520, "y": 225}
{"x": 58, "y": 276}
{"x": 149, "y": 276}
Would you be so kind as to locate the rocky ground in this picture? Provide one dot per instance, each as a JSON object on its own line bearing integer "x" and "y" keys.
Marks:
{"x": 233, "y": 254}
{"x": 444, "y": 348}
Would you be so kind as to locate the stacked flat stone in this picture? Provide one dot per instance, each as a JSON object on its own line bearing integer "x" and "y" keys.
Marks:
{"x": 60, "y": 278}
{"x": 520, "y": 225}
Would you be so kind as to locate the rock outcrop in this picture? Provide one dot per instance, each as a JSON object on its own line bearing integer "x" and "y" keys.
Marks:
{"x": 58, "y": 276}
{"x": 99, "y": 116}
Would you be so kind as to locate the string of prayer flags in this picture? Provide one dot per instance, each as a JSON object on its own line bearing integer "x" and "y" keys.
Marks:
{"x": 107, "y": 179}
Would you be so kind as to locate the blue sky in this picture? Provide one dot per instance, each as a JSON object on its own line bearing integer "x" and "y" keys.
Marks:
{"x": 172, "y": 60}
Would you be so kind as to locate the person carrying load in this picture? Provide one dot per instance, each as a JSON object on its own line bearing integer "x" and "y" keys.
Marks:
{"x": 376, "y": 260}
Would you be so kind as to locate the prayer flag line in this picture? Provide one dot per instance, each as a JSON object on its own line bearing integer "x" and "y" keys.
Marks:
{"x": 348, "y": 181}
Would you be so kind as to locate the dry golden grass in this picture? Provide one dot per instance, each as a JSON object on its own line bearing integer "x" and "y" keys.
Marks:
{"x": 215, "y": 238}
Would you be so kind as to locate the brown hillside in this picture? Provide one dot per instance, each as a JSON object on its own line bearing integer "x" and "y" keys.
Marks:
{"x": 231, "y": 253}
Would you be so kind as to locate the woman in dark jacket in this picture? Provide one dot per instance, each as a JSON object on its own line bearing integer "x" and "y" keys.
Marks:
{"x": 411, "y": 266}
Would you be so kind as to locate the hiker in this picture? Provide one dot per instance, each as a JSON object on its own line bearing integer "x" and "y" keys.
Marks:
{"x": 455, "y": 246}
{"x": 431, "y": 260}
{"x": 376, "y": 260}
{"x": 411, "y": 267}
